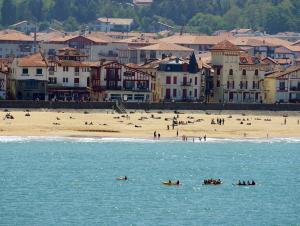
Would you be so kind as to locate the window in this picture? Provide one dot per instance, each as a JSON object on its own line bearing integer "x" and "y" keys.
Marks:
{"x": 168, "y": 80}
{"x": 230, "y": 72}
{"x": 168, "y": 93}
{"x": 65, "y": 68}
{"x": 52, "y": 80}
{"x": 152, "y": 54}
{"x": 129, "y": 73}
{"x": 246, "y": 86}
{"x": 129, "y": 85}
{"x": 195, "y": 93}
{"x": 140, "y": 97}
{"x": 76, "y": 80}
{"x": 175, "y": 80}
{"x": 228, "y": 84}
{"x": 218, "y": 71}
{"x": 241, "y": 85}
{"x": 39, "y": 71}
{"x": 196, "y": 81}
{"x": 88, "y": 81}
{"x": 76, "y": 69}
{"x": 244, "y": 72}
{"x": 142, "y": 85}
{"x": 174, "y": 93}
{"x": 281, "y": 85}
{"x": 218, "y": 83}
{"x": 65, "y": 80}
{"x": 253, "y": 85}
{"x": 25, "y": 71}
{"x": 31, "y": 84}
{"x": 256, "y": 72}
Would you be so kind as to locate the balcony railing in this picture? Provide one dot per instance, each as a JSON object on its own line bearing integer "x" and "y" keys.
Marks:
{"x": 295, "y": 89}
{"x": 186, "y": 84}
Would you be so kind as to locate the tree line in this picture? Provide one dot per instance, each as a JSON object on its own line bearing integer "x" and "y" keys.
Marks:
{"x": 201, "y": 16}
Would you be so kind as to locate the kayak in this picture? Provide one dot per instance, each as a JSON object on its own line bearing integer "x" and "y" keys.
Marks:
{"x": 213, "y": 184}
{"x": 121, "y": 178}
{"x": 170, "y": 184}
{"x": 244, "y": 185}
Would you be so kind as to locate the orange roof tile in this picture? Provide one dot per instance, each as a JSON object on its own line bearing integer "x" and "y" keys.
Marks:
{"x": 226, "y": 45}
{"x": 14, "y": 36}
{"x": 194, "y": 39}
{"x": 163, "y": 46}
{"x": 35, "y": 60}
{"x": 117, "y": 21}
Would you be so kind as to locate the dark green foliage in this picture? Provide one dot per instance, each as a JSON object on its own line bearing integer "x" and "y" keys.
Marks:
{"x": 203, "y": 16}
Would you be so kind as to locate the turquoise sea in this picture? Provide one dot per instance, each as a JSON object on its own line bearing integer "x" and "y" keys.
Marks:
{"x": 55, "y": 181}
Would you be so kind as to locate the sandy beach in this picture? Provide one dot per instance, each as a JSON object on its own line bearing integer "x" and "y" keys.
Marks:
{"x": 139, "y": 124}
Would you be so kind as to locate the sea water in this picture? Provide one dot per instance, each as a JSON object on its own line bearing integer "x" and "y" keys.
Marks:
{"x": 56, "y": 181}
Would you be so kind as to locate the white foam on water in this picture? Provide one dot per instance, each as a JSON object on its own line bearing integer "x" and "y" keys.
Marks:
{"x": 25, "y": 139}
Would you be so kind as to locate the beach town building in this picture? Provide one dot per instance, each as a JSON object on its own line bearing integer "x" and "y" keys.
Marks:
{"x": 112, "y": 81}
{"x": 112, "y": 24}
{"x": 24, "y": 26}
{"x": 180, "y": 79}
{"x": 94, "y": 45}
{"x": 16, "y": 44}
{"x": 156, "y": 51}
{"x": 69, "y": 75}
{"x": 237, "y": 75}
{"x": 3, "y": 84}
{"x": 199, "y": 43}
{"x": 28, "y": 78}
{"x": 282, "y": 86}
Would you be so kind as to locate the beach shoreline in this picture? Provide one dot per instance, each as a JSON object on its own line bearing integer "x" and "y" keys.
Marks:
{"x": 143, "y": 125}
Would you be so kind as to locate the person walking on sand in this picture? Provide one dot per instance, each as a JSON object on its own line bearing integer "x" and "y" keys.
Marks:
{"x": 204, "y": 138}
{"x": 284, "y": 121}
{"x": 159, "y": 136}
{"x": 177, "y": 133}
{"x": 154, "y": 134}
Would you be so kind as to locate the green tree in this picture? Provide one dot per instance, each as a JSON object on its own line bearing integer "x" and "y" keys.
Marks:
{"x": 71, "y": 24}
{"x": 8, "y": 12}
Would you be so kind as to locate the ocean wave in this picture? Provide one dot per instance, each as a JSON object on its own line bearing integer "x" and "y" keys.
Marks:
{"x": 25, "y": 139}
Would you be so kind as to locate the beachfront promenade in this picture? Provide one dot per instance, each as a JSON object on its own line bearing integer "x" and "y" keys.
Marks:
{"x": 147, "y": 106}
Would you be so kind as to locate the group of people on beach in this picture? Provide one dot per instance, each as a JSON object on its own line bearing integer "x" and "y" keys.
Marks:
{"x": 156, "y": 135}
{"x": 185, "y": 138}
{"x": 220, "y": 121}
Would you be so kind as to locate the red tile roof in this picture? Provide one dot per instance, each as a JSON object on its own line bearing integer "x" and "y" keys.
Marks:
{"x": 226, "y": 45}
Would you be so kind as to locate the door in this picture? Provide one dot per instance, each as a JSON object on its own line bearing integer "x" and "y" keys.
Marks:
{"x": 184, "y": 94}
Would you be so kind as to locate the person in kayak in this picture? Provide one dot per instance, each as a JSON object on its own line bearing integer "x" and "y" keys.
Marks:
{"x": 125, "y": 178}
{"x": 177, "y": 183}
{"x": 239, "y": 183}
{"x": 253, "y": 182}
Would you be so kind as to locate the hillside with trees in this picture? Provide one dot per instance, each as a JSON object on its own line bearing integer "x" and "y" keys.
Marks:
{"x": 202, "y": 16}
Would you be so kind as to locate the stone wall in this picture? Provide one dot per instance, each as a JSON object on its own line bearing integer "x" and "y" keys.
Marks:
{"x": 147, "y": 106}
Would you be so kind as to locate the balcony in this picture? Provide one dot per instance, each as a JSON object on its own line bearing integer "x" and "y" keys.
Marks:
{"x": 295, "y": 89}
{"x": 76, "y": 73}
{"x": 186, "y": 84}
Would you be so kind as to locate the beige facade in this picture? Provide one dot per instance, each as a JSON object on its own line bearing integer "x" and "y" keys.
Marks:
{"x": 282, "y": 86}
{"x": 236, "y": 75}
